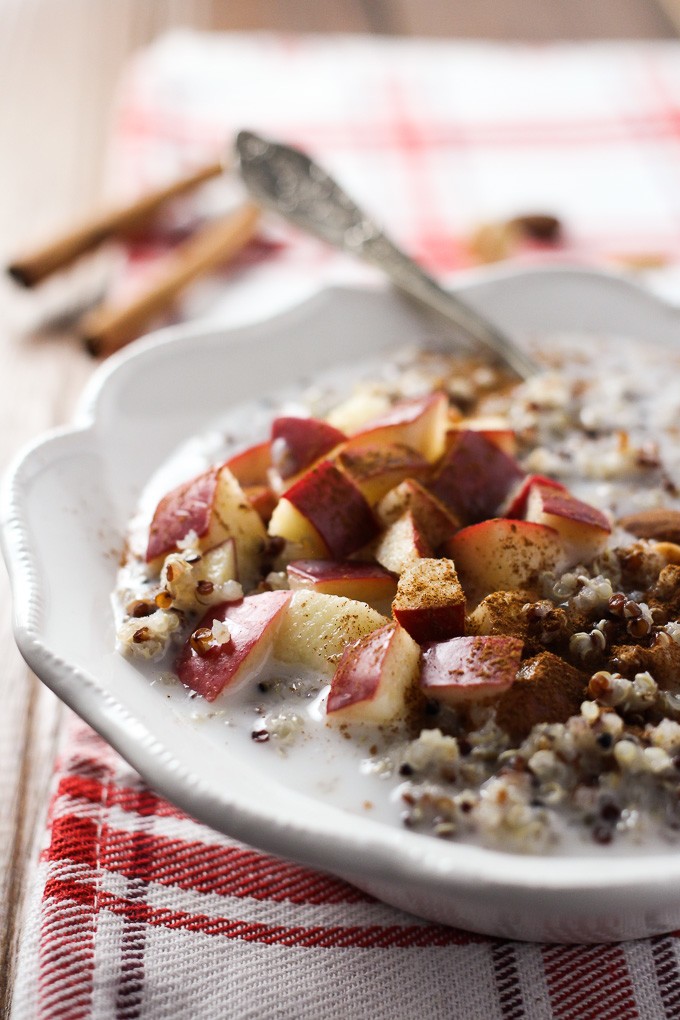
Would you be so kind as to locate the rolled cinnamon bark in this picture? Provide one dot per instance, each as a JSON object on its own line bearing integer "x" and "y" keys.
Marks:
{"x": 34, "y": 266}
{"x": 110, "y": 327}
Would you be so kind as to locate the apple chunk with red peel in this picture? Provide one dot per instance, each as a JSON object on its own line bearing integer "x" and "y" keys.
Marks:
{"x": 251, "y": 469}
{"x": 501, "y": 554}
{"x": 353, "y": 579}
{"x": 470, "y": 669}
{"x": 375, "y": 678}
{"x": 435, "y": 521}
{"x": 584, "y": 530}
{"x": 430, "y": 603}
{"x": 317, "y": 628}
{"x": 401, "y": 544}
{"x": 297, "y": 443}
{"x": 376, "y": 469}
{"x": 215, "y": 656}
{"x": 214, "y": 507}
{"x": 496, "y": 430}
{"x": 330, "y": 516}
{"x": 251, "y": 466}
{"x": 420, "y": 423}
{"x": 187, "y": 508}
{"x": 262, "y": 499}
{"x": 474, "y": 477}
{"x": 516, "y": 502}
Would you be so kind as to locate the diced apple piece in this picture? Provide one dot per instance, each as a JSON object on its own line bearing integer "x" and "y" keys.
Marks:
{"x": 262, "y": 499}
{"x": 546, "y": 690}
{"x": 516, "y": 502}
{"x": 297, "y": 443}
{"x": 356, "y": 411}
{"x": 435, "y": 521}
{"x": 251, "y": 466}
{"x": 474, "y": 477}
{"x": 332, "y": 519}
{"x": 496, "y": 430}
{"x": 500, "y": 554}
{"x": 420, "y": 423}
{"x": 375, "y": 678}
{"x": 215, "y": 656}
{"x": 470, "y": 669}
{"x": 364, "y": 582}
{"x": 402, "y": 544}
{"x": 430, "y": 603}
{"x": 584, "y": 530}
{"x": 214, "y": 507}
{"x": 187, "y": 508}
{"x": 302, "y": 538}
{"x": 501, "y": 612}
{"x": 317, "y": 628}
{"x": 377, "y": 469}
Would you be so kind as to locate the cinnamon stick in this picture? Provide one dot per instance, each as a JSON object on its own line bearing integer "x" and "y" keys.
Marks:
{"x": 110, "y": 327}
{"x": 33, "y": 266}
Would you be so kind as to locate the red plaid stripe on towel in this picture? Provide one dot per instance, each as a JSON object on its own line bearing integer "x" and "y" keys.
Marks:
{"x": 142, "y": 912}
{"x": 137, "y": 910}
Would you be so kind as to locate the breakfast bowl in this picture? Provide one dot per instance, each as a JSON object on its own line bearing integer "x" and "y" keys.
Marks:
{"x": 66, "y": 506}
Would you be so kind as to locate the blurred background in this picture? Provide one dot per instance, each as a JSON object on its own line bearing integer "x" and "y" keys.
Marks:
{"x": 61, "y": 59}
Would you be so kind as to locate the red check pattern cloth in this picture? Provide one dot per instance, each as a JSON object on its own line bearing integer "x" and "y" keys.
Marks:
{"x": 140, "y": 911}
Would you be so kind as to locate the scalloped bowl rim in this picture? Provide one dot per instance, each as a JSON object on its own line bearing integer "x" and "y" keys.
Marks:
{"x": 341, "y": 843}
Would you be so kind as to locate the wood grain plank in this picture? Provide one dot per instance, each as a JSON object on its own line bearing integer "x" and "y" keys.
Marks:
{"x": 671, "y": 9}
{"x": 532, "y": 20}
{"x": 294, "y": 15}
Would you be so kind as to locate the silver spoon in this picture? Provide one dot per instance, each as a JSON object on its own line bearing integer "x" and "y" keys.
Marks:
{"x": 288, "y": 181}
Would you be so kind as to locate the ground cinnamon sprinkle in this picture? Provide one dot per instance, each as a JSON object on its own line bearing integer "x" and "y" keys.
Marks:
{"x": 546, "y": 690}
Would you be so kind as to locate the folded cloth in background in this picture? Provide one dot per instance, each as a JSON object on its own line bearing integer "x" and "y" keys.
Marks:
{"x": 139, "y": 911}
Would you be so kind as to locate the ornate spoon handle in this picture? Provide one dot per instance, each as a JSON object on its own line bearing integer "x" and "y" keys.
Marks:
{"x": 288, "y": 181}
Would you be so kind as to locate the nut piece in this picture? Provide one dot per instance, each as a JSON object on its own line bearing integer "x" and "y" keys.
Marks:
{"x": 658, "y": 523}
{"x": 538, "y": 227}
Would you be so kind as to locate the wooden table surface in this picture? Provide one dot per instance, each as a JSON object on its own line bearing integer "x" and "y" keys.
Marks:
{"x": 59, "y": 65}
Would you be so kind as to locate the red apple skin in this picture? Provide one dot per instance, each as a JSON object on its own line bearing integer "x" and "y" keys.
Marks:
{"x": 516, "y": 503}
{"x": 502, "y": 436}
{"x": 435, "y": 520}
{"x": 375, "y": 469}
{"x": 359, "y": 671}
{"x": 472, "y": 668}
{"x": 306, "y": 440}
{"x": 248, "y": 621}
{"x": 263, "y": 499}
{"x": 354, "y": 579}
{"x": 474, "y": 477}
{"x": 500, "y": 554}
{"x": 430, "y": 602}
{"x": 184, "y": 509}
{"x": 402, "y": 543}
{"x": 251, "y": 466}
{"x": 335, "y": 507}
{"x": 563, "y": 504}
{"x": 402, "y": 422}
{"x": 583, "y": 528}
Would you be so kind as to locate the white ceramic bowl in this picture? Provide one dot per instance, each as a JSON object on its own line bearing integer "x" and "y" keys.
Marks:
{"x": 65, "y": 507}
